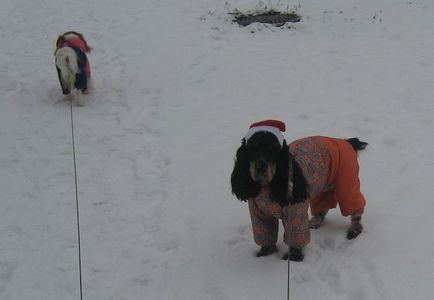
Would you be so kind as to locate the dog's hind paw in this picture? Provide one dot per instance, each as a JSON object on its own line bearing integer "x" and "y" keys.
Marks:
{"x": 354, "y": 231}
{"x": 317, "y": 220}
{"x": 314, "y": 223}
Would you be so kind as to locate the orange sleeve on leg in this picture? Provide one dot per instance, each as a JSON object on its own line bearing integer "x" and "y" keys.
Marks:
{"x": 322, "y": 202}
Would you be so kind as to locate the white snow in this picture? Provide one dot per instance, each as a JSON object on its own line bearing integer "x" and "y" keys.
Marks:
{"x": 176, "y": 84}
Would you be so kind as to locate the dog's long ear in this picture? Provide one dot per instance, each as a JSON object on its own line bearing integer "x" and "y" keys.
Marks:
{"x": 243, "y": 186}
{"x": 300, "y": 190}
{"x": 279, "y": 184}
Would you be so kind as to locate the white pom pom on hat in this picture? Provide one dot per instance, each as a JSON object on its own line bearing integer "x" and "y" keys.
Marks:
{"x": 275, "y": 127}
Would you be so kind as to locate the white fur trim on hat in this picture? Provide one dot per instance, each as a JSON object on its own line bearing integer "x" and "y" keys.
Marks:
{"x": 274, "y": 130}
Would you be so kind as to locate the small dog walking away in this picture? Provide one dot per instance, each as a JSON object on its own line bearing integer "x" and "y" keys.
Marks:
{"x": 280, "y": 181}
{"x": 72, "y": 64}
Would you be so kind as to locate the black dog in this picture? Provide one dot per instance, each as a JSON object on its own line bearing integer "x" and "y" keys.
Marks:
{"x": 266, "y": 173}
{"x": 262, "y": 161}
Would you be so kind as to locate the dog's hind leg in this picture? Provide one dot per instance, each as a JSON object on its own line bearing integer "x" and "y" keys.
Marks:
{"x": 317, "y": 220}
{"x": 63, "y": 85}
{"x": 88, "y": 86}
{"x": 356, "y": 227}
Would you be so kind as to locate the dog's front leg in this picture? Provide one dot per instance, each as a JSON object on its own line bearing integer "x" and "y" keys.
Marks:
{"x": 295, "y": 254}
{"x": 266, "y": 250}
{"x": 297, "y": 234}
{"x": 356, "y": 227}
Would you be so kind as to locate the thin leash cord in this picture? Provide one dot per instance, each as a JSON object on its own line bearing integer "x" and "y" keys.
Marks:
{"x": 76, "y": 202}
{"x": 289, "y": 269}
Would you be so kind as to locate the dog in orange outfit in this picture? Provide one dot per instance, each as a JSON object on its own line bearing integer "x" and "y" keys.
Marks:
{"x": 280, "y": 181}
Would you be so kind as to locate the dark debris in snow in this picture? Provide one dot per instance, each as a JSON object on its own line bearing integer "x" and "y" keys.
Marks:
{"x": 271, "y": 17}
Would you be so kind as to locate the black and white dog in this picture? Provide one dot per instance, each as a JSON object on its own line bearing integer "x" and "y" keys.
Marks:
{"x": 72, "y": 65}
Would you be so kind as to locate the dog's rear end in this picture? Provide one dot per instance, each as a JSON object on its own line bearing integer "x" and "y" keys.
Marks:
{"x": 67, "y": 67}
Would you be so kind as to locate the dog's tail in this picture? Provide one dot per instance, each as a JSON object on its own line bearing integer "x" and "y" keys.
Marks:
{"x": 357, "y": 144}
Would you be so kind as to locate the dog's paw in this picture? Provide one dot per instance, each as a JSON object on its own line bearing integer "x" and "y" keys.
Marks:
{"x": 266, "y": 250}
{"x": 317, "y": 220}
{"x": 314, "y": 224}
{"x": 295, "y": 254}
{"x": 354, "y": 231}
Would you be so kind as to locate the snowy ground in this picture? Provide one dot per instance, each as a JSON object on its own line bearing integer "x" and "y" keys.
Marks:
{"x": 175, "y": 86}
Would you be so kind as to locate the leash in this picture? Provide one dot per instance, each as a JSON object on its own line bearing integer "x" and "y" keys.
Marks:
{"x": 289, "y": 269}
{"x": 76, "y": 202}
{"x": 290, "y": 184}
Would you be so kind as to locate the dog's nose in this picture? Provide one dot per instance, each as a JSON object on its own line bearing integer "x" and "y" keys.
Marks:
{"x": 260, "y": 167}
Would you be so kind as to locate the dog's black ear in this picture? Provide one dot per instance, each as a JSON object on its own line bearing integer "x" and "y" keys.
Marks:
{"x": 243, "y": 186}
{"x": 300, "y": 190}
{"x": 279, "y": 184}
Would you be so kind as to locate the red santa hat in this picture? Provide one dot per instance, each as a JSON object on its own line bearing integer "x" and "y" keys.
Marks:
{"x": 275, "y": 127}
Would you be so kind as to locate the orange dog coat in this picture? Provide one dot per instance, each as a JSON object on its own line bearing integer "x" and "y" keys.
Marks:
{"x": 331, "y": 170}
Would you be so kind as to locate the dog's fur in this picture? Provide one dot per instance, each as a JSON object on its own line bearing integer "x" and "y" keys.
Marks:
{"x": 67, "y": 63}
{"x": 263, "y": 161}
